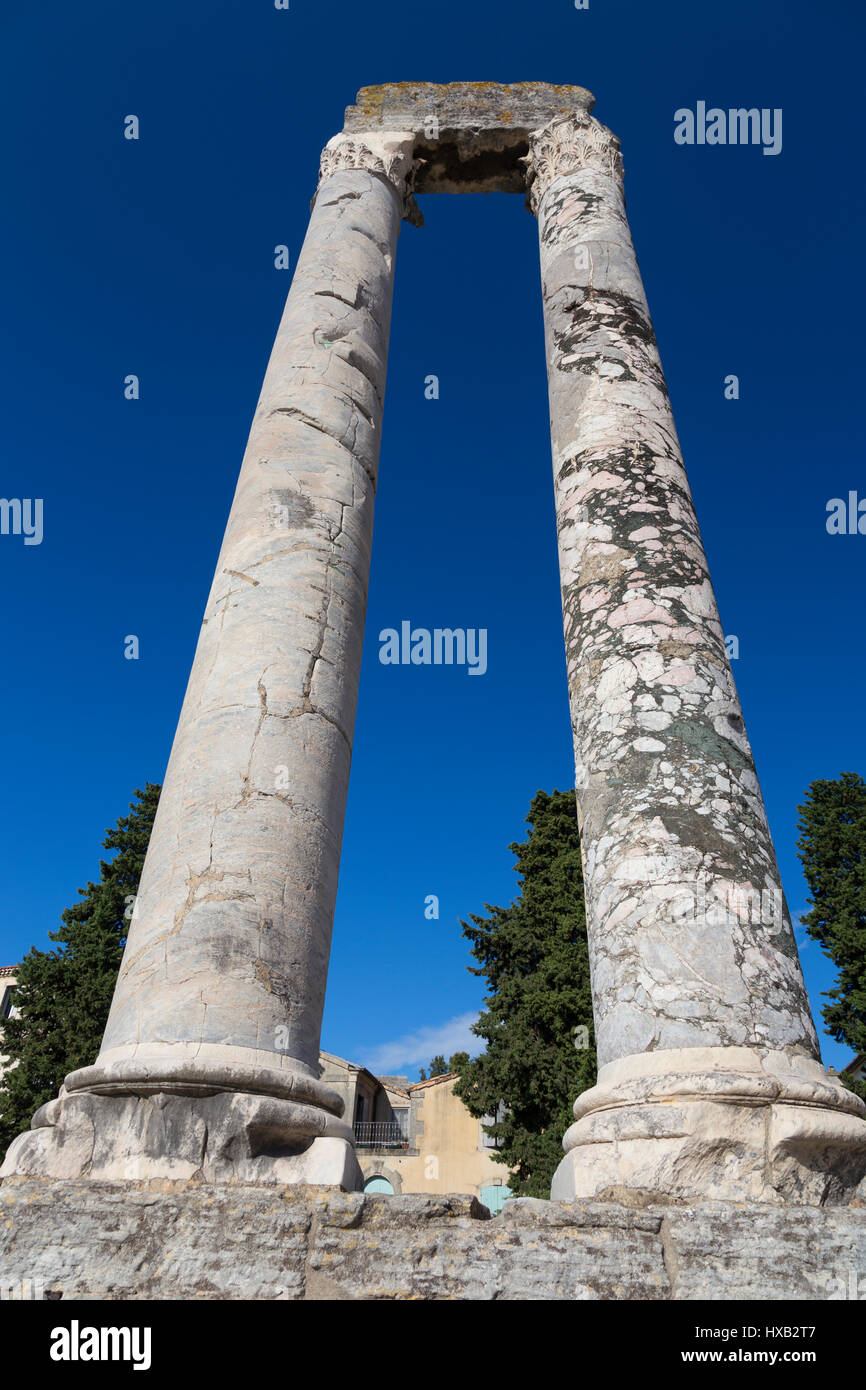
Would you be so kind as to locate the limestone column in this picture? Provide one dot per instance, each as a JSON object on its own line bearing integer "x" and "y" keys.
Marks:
{"x": 710, "y": 1079}
{"x": 209, "y": 1062}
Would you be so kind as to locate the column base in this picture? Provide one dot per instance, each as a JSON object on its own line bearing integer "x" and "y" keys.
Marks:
{"x": 126, "y": 1120}
{"x": 721, "y": 1123}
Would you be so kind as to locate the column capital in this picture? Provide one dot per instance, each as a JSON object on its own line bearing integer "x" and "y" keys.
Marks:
{"x": 565, "y": 145}
{"x": 390, "y": 154}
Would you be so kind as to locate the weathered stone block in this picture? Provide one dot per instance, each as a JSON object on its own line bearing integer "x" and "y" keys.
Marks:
{"x": 469, "y": 135}
{"x": 117, "y": 1240}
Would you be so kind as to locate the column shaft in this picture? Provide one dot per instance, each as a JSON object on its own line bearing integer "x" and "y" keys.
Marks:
{"x": 222, "y": 984}
{"x": 231, "y": 943}
{"x": 697, "y": 984}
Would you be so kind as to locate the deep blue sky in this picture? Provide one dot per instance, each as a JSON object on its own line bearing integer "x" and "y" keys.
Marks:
{"x": 156, "y": 258}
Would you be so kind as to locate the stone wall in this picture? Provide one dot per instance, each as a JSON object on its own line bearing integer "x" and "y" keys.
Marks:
{"x": 111, "y": 1240}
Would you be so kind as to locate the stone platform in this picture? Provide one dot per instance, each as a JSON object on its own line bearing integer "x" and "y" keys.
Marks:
{"x": 108, "y": 1240}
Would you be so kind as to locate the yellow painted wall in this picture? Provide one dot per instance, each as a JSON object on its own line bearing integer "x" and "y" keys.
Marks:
{"x": 450, "y": 1158}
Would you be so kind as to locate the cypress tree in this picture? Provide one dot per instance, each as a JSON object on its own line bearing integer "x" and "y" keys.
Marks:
{"x": 63, "y": 996}
{"x": 538, "y": 1020}
{"x": 832, "y": 849}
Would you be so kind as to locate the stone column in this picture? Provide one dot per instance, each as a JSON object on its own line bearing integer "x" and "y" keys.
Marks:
{"x": 710, "y": 1080}
{"x": 209, "y": 1064}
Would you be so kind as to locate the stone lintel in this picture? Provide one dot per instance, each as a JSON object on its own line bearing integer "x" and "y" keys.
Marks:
{"x": 470, "y": 135}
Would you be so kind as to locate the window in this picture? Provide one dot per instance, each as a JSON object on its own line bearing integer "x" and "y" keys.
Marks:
{"x": 485, "y": 1140}
{"x": 6, "y": 1006}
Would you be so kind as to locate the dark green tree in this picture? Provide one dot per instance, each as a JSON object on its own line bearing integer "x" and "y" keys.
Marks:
{"x": 832, "y": 848}
{"x": 439, "y": 1067}
{"x": 538, "y": 1021}
{"x": 63, "y": 996}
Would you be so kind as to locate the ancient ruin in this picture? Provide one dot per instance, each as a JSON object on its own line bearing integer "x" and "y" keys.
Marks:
{"x": 710, "y": 1085}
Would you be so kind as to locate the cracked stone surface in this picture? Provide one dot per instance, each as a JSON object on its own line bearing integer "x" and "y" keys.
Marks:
{"x": 668, "y": 795}
{"x": 710, "y": 1080}
{"x": 228, "y": 1136}
{"x": 223, "y": 978}
{"x": 690, "y": 939}
{"x": 234, "y": 918}
{"x": 209, "y": 1241}
{"x": 469, "y": 136}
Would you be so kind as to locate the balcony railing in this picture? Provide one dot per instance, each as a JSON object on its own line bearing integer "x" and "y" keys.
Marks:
{"x": 380, "y": 1134}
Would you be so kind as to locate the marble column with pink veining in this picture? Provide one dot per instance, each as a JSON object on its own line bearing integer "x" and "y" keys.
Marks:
{"x": 697, "y": 986}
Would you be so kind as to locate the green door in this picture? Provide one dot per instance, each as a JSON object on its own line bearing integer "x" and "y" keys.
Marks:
{"x": 378, "y": 1185}
{"x": 494, "y": 1197}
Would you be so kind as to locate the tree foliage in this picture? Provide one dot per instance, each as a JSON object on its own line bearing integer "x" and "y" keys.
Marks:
{"x": 63, "y": 996}
{"x": 832, "y": 848}
{"x": 439, "y": 1067}
{"x": 538, "y": 1014}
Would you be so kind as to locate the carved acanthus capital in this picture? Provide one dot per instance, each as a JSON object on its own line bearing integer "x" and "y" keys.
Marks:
{"x": 390, "y": 154}
{"x": 565, "y": 145}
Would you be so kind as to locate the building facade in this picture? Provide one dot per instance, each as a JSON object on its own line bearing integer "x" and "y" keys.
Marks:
{"x": 417, "y": 1137}
{"x": 8, "y": 981}
{"x": 856, "y": 1070}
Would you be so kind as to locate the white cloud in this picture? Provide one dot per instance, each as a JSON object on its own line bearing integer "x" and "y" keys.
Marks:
{"x": 417, "y": 1049}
